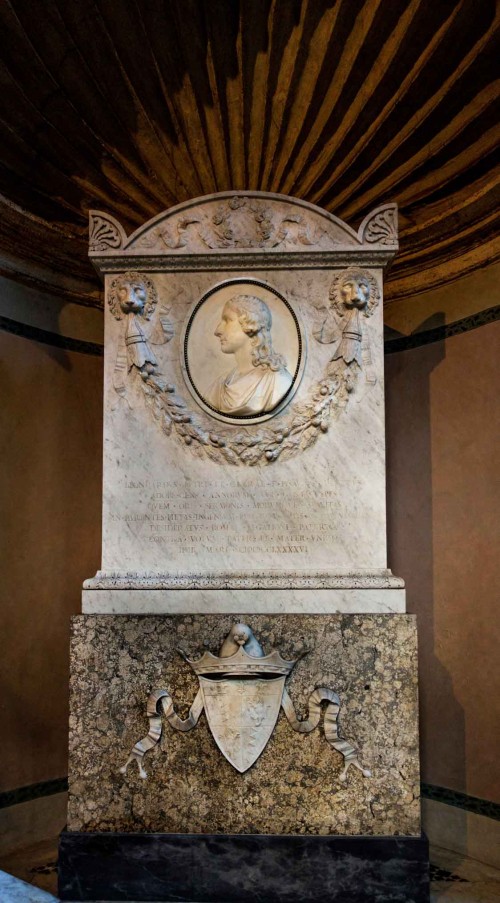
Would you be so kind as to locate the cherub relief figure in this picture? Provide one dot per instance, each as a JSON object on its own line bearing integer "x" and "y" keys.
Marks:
{"x": 354, "y": 293}
{"x": 133, "y": 297}
{"x": 259, "y": 380}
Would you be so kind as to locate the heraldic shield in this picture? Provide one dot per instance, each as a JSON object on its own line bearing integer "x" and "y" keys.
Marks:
{"x": 242, "y": 694}
{"x": 242, "y": 714}
{"x": 241, "y": 691}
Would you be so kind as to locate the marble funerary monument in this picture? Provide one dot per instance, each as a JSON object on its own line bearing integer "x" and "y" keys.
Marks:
{"x": 243, "y": 676}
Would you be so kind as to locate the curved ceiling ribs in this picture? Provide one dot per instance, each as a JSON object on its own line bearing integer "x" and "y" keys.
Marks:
{"x": 134, "y": 107}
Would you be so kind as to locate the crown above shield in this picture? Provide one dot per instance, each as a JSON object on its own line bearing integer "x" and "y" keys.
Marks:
{"x": 241, "y": 664}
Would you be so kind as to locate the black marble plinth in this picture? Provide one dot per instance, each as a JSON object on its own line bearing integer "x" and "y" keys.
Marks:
{"x": 239, "y": 868}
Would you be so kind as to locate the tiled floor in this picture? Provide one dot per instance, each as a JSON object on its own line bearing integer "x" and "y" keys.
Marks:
{"x": 454, "y": 879}
{"x": 36, "y": 865}
{"x": 462, "y": 880}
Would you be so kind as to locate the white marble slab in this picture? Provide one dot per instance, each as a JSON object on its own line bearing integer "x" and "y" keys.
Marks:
{"x": 240, "y": 601}
{"x": 244, "y": 399}
{"x": 168, "y": 506}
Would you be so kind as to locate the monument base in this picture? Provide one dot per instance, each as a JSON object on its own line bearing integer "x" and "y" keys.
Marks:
{"x": 297, "y": 784}
{"x": 236, "y": 868}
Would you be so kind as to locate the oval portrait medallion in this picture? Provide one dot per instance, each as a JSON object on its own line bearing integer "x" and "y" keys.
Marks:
{"x": 243, "y": 351}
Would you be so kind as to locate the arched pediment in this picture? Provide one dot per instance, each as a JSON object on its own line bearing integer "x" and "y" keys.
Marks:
{"x": 249, "y": 223}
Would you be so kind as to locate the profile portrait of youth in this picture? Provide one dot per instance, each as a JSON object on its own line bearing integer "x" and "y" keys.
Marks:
{"x": 259, "y": 378}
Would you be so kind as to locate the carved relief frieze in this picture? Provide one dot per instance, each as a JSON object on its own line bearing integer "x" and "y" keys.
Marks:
{"x": 263, "y": 387}
{"x": 237, "y": 223}
{"x": 258, "y": 229}
{"x": 251, "y": 581}
{"x": 245, "y": 223}
{"x": 239, "y": 260}
{"x": 171, "y": 236}
{"x": 241, "y": 692}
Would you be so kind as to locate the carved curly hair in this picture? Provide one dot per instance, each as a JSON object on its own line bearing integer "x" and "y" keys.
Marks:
{"x": 255, "y": 320}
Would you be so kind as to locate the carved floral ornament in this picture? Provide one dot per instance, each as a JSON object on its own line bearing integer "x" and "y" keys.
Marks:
{"x": 239, "y": 223}
{"x": 105, "y": 233}
{"x": 381, "y": 227}
{"x": 353, "y": 296}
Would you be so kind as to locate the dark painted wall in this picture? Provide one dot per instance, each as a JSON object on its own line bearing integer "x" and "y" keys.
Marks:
{"x": 50, "y": 498}
{"x": 443, "y": 415}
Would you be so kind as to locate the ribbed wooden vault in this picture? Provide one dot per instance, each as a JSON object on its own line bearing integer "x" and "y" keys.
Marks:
{"x": 134, "y": 105}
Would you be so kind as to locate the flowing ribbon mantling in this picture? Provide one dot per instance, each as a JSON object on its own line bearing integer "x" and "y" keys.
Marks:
{"x": 366, "y": 354}
{"x": 305, "y": 423}
{"x": 330, "y": 723}
{"x": 155, "y": 726}
{"x": 120, "y": 375}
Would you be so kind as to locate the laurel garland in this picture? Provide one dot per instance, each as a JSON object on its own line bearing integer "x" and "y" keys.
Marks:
{"x": 305, "y": 423}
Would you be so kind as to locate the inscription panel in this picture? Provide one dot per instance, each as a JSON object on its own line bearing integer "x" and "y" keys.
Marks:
{"x": 186, "y": 515}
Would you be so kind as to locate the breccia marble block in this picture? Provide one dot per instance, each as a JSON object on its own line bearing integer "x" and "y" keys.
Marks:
{"x": 370, "y": 661}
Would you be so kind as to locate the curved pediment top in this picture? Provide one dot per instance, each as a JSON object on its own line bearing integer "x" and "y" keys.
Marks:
{"x": 243, "y": 222}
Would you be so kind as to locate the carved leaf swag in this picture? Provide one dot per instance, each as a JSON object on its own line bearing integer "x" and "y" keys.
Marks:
{"x": 300, "y": 430}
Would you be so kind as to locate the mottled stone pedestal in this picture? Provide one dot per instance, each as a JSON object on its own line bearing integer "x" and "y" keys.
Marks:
{"x": 205, "y": 818}
{"x": 294, "y": 787}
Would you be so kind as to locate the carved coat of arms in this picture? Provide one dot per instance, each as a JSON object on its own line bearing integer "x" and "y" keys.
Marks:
{"x": 242, "y": 700}
{"x": 242, "y": 691}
